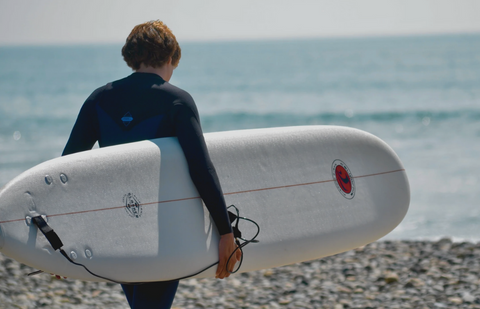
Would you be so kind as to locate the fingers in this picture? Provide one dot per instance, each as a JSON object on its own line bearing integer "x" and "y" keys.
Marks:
{"x": 234, "y": 258}
{"x": 222, "y": 270}
{"x": 226, "y": 248}
{"x": 238, "y": 255}
{"x": 221, "y": 273}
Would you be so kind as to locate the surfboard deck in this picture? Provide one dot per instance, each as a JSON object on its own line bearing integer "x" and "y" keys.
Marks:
{"x": 131, "y": 213}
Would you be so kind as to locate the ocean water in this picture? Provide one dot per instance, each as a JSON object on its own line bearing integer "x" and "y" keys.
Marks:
{"x": 419, "y": 94}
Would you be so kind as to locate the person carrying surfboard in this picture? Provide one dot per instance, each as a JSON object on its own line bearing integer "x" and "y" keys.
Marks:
{"x": 143, "y": 106}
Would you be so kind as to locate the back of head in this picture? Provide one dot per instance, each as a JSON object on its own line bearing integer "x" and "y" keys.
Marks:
{"x": 151, "y": 43}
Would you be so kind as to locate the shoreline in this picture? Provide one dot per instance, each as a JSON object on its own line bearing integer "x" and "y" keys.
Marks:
{"x": 383, "y": 274}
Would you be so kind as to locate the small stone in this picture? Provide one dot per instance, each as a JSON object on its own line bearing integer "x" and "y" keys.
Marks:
{"x": 64, "y": 300}
{"x": 343, "y": 289}
{"x": 235, "y": 282}
{"x": 415, "y": 282}
{"x": 398, "y": 292}
{"x": 391, "y": 278}
{"x": 438, "y": 288}
{"x": 268, "y": 273}
{"x": 370, "y": 297}
{"x": 191, "y": 296}
{"x": 96, "y": 293}
{"x": 468, "y": 298}
{"x": 455, "y": 300}
{"x": 284, "y": 301}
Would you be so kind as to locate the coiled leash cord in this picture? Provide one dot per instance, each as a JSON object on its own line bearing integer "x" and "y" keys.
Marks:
{"x": 57, "y": 244}
{"x": 238, "y": 235}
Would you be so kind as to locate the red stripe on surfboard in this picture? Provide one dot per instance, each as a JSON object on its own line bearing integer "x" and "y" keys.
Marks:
{"x": 108, "y": 208}
{"x": 309, "y": 183}
{"x": 197, "y": 197}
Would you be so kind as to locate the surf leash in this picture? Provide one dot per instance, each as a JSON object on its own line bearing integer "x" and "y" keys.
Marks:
{"x": 238, "y": 235}
{"x": 57, "y": 244}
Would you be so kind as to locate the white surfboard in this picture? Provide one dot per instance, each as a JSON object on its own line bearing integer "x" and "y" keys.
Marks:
{"x": 131, "y": 213}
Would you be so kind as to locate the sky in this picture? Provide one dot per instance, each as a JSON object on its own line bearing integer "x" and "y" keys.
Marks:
{"x": 42, "y": 22}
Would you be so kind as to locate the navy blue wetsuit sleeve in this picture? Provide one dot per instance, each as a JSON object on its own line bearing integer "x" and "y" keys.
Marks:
{"x": 202, "y": 171}
{"x": 85, "y": 131}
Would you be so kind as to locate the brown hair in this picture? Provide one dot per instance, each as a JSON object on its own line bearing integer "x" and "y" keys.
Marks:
{"x": 151, "y": 43}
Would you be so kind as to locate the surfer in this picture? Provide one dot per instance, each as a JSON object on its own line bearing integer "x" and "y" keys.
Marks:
{"x": 143, "y": 106}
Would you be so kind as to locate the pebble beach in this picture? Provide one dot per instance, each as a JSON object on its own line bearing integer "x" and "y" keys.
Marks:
{"x": 383, "y": 274}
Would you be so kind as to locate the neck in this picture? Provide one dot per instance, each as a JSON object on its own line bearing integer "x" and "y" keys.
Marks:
{"x": 162, "y": 71}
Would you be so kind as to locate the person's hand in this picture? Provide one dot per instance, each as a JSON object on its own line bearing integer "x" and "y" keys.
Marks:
{"x": 226, "y": 246}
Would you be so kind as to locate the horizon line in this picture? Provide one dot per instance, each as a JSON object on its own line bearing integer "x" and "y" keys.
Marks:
{"x": 253, "y": 39}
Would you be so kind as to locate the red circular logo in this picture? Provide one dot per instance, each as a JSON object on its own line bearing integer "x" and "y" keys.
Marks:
{"x": 343, "y": 179}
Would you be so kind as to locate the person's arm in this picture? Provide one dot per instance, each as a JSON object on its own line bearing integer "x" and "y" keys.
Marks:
{"x": 202, "y": 171}
{"x": 204, "y": 176}
{"x": 85, "y": 131}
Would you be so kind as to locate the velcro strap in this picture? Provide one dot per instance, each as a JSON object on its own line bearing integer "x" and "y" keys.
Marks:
{"x": 236, "y": 231}
{"x": 49, "y": 233}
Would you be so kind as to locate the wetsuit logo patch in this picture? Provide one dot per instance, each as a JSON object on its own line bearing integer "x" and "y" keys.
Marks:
{"x": 127, "y": 119}
{"x": 343, "y": 179}
{"x": 132, "y": 205}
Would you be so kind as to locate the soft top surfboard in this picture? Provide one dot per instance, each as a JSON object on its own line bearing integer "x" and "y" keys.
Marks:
{"x": 131, "y": 213}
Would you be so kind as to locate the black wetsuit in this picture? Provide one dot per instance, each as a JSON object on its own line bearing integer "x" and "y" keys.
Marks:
{"x": 144, "y": 106}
